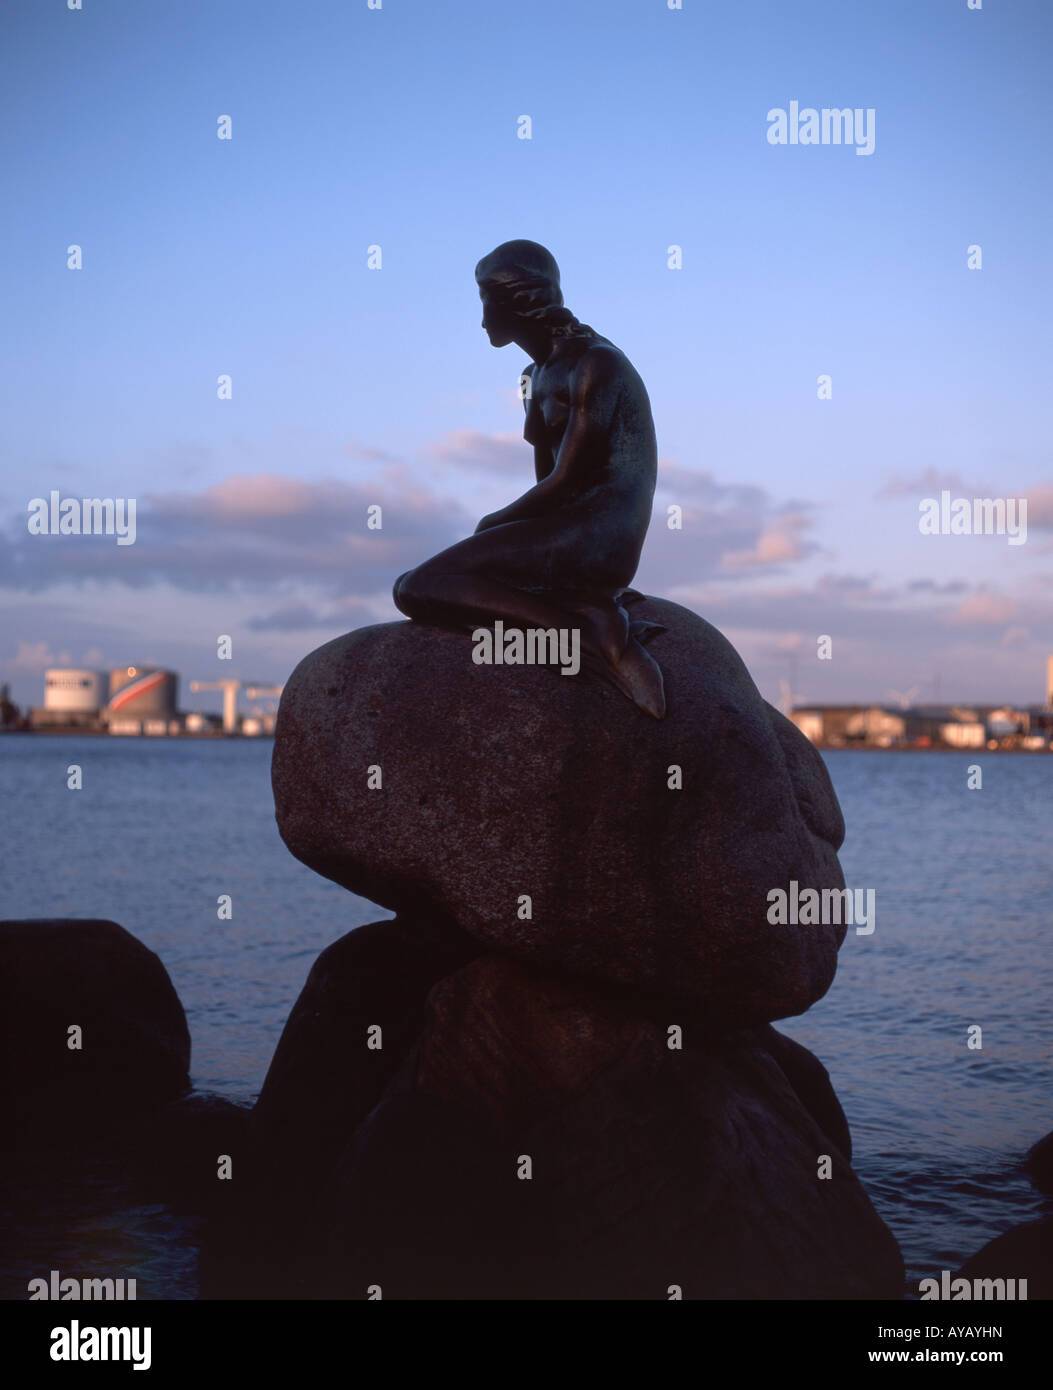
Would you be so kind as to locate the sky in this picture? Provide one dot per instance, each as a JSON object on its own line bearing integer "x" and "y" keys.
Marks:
{"x": 351, "y": 386}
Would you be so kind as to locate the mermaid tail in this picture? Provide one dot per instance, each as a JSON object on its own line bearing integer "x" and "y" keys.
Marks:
{"x": 639, "y": 676}
{"x": 635, "y": 672}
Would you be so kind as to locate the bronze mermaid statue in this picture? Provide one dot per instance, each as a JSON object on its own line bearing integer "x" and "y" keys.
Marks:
{"x": 563, "y": 554}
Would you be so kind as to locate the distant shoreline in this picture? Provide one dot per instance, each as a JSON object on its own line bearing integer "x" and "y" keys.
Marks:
{"x": 204, "y": 736}
{"x": 220, "y": 737}
{"x": 910, "y": 748}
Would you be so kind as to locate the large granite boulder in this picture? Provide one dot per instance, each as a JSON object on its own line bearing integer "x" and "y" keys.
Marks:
{"x": 132, "y": 1052}
{"x": 500, "y": 784}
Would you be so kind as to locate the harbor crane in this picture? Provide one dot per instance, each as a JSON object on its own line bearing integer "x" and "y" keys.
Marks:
{"x": 230, "y": 688}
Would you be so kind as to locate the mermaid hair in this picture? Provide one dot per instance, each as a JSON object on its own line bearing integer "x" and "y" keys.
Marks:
{"x": 523, "y": 277}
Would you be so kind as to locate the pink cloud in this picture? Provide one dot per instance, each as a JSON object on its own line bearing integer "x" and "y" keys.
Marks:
{"x": 781, "y": 542}
{"x": 986, "y": 608}
{"x": 1040, "y": 506}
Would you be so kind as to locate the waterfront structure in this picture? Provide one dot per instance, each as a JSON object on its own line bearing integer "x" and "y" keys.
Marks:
{"x": 143, "y": 700}
{"x": 72, "y": 690}
{"x": 74, "y": 698}
{"x": 925, "y": 726}
{"x": 259, "y": 722}
{"x": 143, "y": 692}
{"x": 825, "y": 724}
{"x": 962, "y": 733}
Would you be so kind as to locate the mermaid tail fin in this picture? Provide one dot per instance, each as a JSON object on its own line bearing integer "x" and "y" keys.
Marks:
{"x": 640, "y": 677}
{"x": 636, "y": 674}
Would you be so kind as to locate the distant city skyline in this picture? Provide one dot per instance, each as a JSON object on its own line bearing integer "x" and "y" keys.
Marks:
{"x": 205, "y": 258}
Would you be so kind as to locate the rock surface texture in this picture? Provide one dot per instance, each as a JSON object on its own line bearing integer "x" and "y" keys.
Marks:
{"x": 506, "y": 783}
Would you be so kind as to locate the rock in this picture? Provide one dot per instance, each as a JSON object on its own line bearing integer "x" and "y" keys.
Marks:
{"x": 1025, "y": 1252}
{"x": 650, "y": 1166}
{"x": 811, "y": 1082}
{"x": 420, "y": 1205}
{"x": 1038, "y": 1162}
{"x": 513, "y": 1042}
{"x": 134, "y": 1049}
{"x": 325, "y": 1078}
{"x": 323, "y": 1082}
{"x": 505, "y": 781}
{"x": 178, "y": 1153}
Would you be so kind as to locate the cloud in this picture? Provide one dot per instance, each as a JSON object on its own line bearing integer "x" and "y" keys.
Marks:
{"x": 302, "y": 617}
{"x": 930, "y": 481}
{"x": 698, "y": 487}
{"x": 1040, "y": 507}
{"x": 986, "y": 608}
{"x": 851, "y": 586}
{"x": 32, "y": 657}
{"x": 882, "y": 637}
{"x": 306, "y": 545}
{"x": 931, "y": 586}
{"x": 779, "y": 543}
{"x": 366, "y": 451}
{"x": 472, "y": 451}
{"x": 730, "y": 530}
{"x": 293, "y": 617}
{"x": 252, "y": 532}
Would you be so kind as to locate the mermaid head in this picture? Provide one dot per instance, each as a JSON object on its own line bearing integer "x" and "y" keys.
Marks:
{"x": 521, "y": 279}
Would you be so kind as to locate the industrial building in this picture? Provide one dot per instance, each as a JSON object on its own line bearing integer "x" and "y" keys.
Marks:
{"x": 925, "y": 726}
{"x": 127, "y": 700}
{"x": 1027, "y": 728}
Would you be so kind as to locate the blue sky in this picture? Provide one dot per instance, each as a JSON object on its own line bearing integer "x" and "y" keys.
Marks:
{"x": 353, "y": 127}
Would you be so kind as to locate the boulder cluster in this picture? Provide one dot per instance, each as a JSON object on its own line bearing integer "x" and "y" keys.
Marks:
{"x": 553, "y": 1074}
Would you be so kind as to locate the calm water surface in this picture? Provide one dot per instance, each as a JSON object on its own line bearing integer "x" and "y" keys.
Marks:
{"x": 963, "y": 882}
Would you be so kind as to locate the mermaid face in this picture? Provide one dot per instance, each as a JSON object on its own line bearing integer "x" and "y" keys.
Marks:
{"x": 498, "y": 321}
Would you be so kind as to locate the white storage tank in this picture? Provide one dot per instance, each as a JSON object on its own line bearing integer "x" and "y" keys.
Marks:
{"x": 72, "y": 691}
